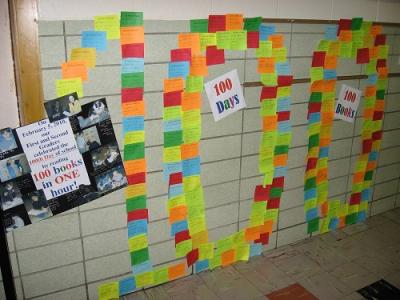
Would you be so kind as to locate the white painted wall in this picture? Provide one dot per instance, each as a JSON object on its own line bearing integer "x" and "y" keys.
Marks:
{"x": 375, "y": 10}
{"x": 8, "y": 98}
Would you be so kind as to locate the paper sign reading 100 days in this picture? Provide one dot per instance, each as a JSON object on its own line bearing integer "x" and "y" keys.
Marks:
{"x": 347, "y": 103}
{"x": 225, "y": 95}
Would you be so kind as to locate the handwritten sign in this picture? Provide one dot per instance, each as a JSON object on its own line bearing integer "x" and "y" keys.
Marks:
{"x": 346, "y": 106}
{"x": 225, "y": 95}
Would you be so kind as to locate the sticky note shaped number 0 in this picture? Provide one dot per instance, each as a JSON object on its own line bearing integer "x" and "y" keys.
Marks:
{"x": 225, "y": 95}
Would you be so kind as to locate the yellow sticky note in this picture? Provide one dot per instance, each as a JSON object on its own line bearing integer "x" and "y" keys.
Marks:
{"x": 269, "y": 79}
{"x": 109, "y": 24}
{"x": 197, "y": 224}
{"x": 135, "y": 190}
{"x": 243, "y": 252}
{"x": 207, "y": 39}
{"x": 68, "y": 86}
{"x": 279, "y": 54}
{"x": 284, "y": 91}
{"x": 183, "y": 248}
{"x": 85, "y": 54}
{"x": 109, "y": 291}
{"x": 206, "y": 251}
{"x": 138, "y": 242}
{"x": 144, "y": 279}
{"x": 191, "y": 183}
{"x": 133, "y": 137}
{"x": 176, "y": 201}
{"x": 172, "y": 154}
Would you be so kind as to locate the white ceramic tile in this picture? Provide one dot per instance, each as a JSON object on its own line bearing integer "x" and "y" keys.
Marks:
{"x": 222, "y": 171}
{"x": 254, "y": 8}
{"x": 78, "y": 293}
{"x": 251, "y": 143}
{"x": 389, "y": 156}
{"x": 385, "y": 189}
{"x": 223, "y": 215}
{"x": 388, "y": 11}
{"x": 162, "y": 252}
{"x": 292, "y": 234}
{"x": 105, "y": 243}
{"x": 291, "y": 217}
{"x": 220, "y": 148}
{"x": 303, "y": 44}
{"x": 50, "y": 28}
{"x": 249, "y": 166}
{"x": 343, "y": 9}
{"x": 103, "y": 219}
{"x": 229, "y": 125}
{"x": 304, "y": 9}
{"x": 247, "y": 187}
{"x": 221, "y": 194}
{"x": 292, "y": 198}
{"x": 382, "y": 205}
{"x": 387, "y": 173}
{"x": 221, "y": 232}
{"x": 108, "y": 266}
{"x": 159, "y": 231}
{"x": 52, "y": 51}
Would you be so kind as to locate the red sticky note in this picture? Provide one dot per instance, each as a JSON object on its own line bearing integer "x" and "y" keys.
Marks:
{"x": 362, "y": 56}
{"x": 367, "y": 146}
{"x": 318, "y": 59}
{"x": 133, "y": 50}
{"x": 380, "y": 39}
{"x": 214, "y": 56}
{"x": 381, "y": 63}
{"x": 278, "y": 182}
{"x": 273, "y": 203}
{"x": 378, "y": 115}
{"x": 355, "y": 198}
{"x": 175, "y": 178}
{"x": 377, "y": 135}
{"x": 344, "y": 24}
{"x": 285, "y": 80}
{"x": 172, "y": 98}
{"x": 311, "y": 163}
{"x": 182, "y": 54}
{"x": 137, "y": 178}
{"x": 264, "y": 238}
{"x": 253, "y": 39}
{"x": 138, "y": 214}
{"x": 182, "y": 236}
{"x": 314, "y": 107}
{"x": 216, "y": 23}
{"x": 268, "y": 92}
{"x": 261, "y": 193}
{"x": 131, "y": 94}
{"x": 192, "y": 257}
{"x": 283, "y": 116}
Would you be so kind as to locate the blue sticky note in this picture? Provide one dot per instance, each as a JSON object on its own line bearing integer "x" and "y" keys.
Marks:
{"x": 94, "y": 39}
{"x": 142, "y": 267}
{"x": 283, "y": 104}
{"x": 137, "y": 227}
{"x": 362, "y": 216}
{"x": 175, "y": 190}
{"x": 266, "y": 30}
{"x": 312, "y": 214}
{"x": 372, "y": 79}
{"x": 255, "y": 249}
{"x": 126, "y": 286}
{"x": 314, "y": 117}
{"x": 132, "y": 65}
{"x": 201, "y": 265}
{"x": 178, "y": 227}
{"x": 280, "y": 172}
{"x": 310, "y": 194}
{"x": 323, "y": 152}
{"x": 173, "y": 125}
{"x": 333, "y": 224}
{"x": 284, "y": 126}
{"x": 331, "y": 32}
{"x": 365, "y": 194}
{"x": 171, "y": 168}
{"x": 133, "y": 124}
{"x": 373, "y": 155}
{"x": 329, "y": 74}
{"x": 178, "y": 69}
{"x": 191, "y": 166}
{"x": 283, "y": 68}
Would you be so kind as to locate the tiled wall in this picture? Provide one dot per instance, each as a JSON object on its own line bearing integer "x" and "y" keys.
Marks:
{"x": 66, "y": 257}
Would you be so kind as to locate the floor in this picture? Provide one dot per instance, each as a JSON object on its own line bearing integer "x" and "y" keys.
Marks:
{"x": 330, "y": 266}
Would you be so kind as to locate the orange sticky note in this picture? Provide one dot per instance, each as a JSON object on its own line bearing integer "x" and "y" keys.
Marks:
{"x": 177, "y": 213}
{"x": 371, "y": 165}
{"x": 266, "y": 65}
{"x": 277, "y": 40}
{"x": 135, "y": 166}
{"x": 329, "y": 85}
{"x": 267, "y": 226}
{"x": 370, "y": 91}
{"x": 189, "y": 150}
{"x": 358, "y": 177}
{"x": 373, "y": 52}
{"x": 75, "y": 68}
{"x": 228, "y": 257}
{"x": 326, "y": 118}
{"x": 379, "y": 105}
{"x": 198, "y": 67}
{"x": 176, "y": 271}
{"x": 280, "y": 160}
{"x": 317, "y": 86}
{"x": 234, "y": 22}
{"x": 191, "y": 101}
{"x": 368, "y": 113}
{"x": 383, "y": 72}
{"x": 323, "y": 142}
{"x": 345, "y": 35}
{"x": 376, "y": 29}
{"x": 330, "y": 62}
{"x": 322, "y": 175}
{"x": 324, "y": 208}
{"x": 270, "y": 122}
{"x": 134, "y": 108}
{"x": 190, "y": 40}
{"x": 252, "y": 233}
{"x": 173, "y": 85}
{"x": 132, "y": 35}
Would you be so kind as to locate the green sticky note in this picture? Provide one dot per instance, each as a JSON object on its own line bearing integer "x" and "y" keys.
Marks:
{"x": 325, "y": 225}
{"x": 314, "y": 128}
{"x": 199, "y": 25}
{"x": 323, "y": 45}
{"x": 238, "y": 40}
{"x": 136, "y": 203}
{"x": 129, "y": 18}
{"x": 206, "y": 251}
{"x": 172, "y": 113}
{"x": 345, "y": 49}
{"x": 368, "y": 175}
{"x": 191, "y": 118}
{"x": 224, "y": 244}
{"x": 132, "y": 80}
{"x": 284, "y": 138}
{"x": 264, "y": 49}
{"x": 252, "y": 24}
{"x": 160, "y": 275}
{"x": 380, "y": 94}
{"x": 183, "y": 248}
{"x": 281, "y": 149}
{"x": 313, "y": 225}
{"x": 271, "y": 214}
{"x": 351, "y": 219}
{"x": 355, "y": 46}
{"x": 243, "y": 252}
{"x": 144, "y": 279}
{"x": 215, "y": 262}
{"x": 173, "y": 138}
{"x": 370, "y": 68}
{"x": 313, "y": 141}
{"x": 134, "y": 151}
{"x": 279, "y": 54}
{"x": 316, "y": 97}
{"x": 316, "y": 73}
{"x": 269, "y": 79}
{"x": 357, "y": 36}
{"x": 356, "y": 23}
{"x": 140, "y": 256}
{"x": 310, "y": 183}
{"x": 268, "y": 139}
{"x": 383, "y": 51}
{"x": 275, "y": 192}
{"x": 194, "y": 84}
{"x": 382, "y": 84}
{"x": 224, "y": 39}
{"x": 268, "y": 107}
{"x": 238, "y": 238}
{"x": 192, "y": 135}
{"x": 366, "y": 26}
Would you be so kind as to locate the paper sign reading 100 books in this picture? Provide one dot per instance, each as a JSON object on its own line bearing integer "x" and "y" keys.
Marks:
{"x": 58, "y": 163}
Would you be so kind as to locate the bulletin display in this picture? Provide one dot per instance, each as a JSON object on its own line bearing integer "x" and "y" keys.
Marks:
{"x": 364, "y": 42}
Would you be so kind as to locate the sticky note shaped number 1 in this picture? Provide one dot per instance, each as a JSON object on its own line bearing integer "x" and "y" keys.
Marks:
{"x": 347, "y": 103}
{"x": 225, "y": 95}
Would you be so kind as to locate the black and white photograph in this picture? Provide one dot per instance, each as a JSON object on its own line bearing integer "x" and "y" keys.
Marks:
{"x": 105, "y": 156}
{"x": 15, "y": 218}
{"x": 63, "y": 107}
{"x": 37, "y": 206}
{"x": 11, "y": 195}
{"x": 7, "y": 140}
{"x": 93, "y": 113}
{"x": 88, "y": 139}
{"x": 111, "y": 179}
{"x": 13, "y": 167}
